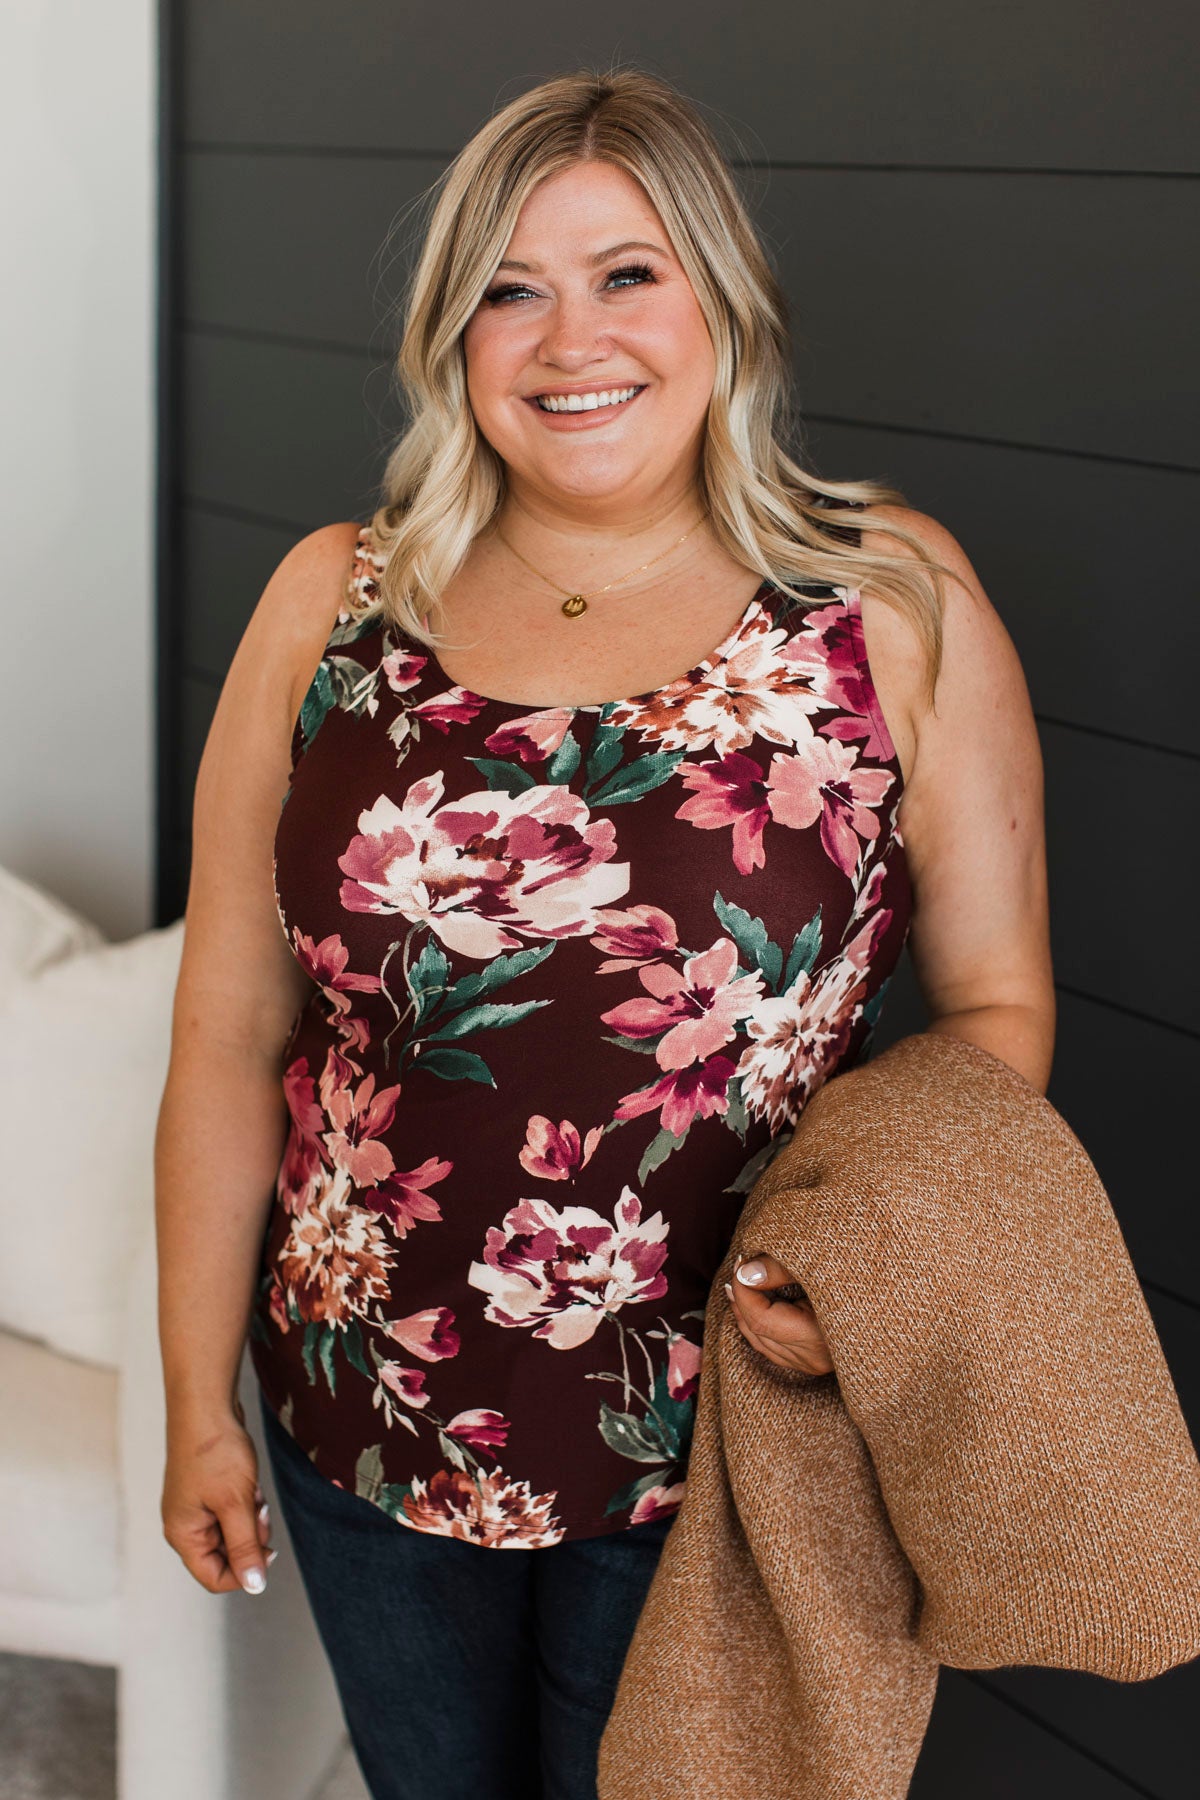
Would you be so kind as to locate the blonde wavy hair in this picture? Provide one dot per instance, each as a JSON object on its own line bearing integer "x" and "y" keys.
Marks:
{"x": 443, "y": 483}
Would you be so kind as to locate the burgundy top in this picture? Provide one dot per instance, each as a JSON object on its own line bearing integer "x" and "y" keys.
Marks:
{"x": 577, "y": 968}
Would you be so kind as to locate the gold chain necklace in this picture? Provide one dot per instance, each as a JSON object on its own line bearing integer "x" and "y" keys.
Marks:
{"x": 574, "y": 604}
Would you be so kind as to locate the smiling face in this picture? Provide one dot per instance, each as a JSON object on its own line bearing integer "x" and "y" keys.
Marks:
{"x": 591, "y": 301}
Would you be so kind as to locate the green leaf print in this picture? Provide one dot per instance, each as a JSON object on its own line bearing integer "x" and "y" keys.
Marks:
{"x": 311, "y": 1333}
{"x": 631, "y": 1493}
{"x": 563, "y": 764}
{"x": 804, "y": 952}
{"x": 677, "y": 1416}
{"x": 352, "y": 684}
{"x": 486, "y": 1018}
{"x": 505, "y": 777}
{"x": 646, "y": 1044}
{"x": 318, "y": 701}
{"x": 368, "y": 1474}
{"x": 455, "y": 1065}
{"x": 325, "y": 1345}
{"x": 353, "y": 1344}
{"x": 496, "y": 973}
{"x": 628, "y": 1436}
{"x": 874, "y": 1006}
{"x": 427, "y": 980}
{"x": 639, "y": 777}
{"x": 657, "y": 1151}
{"x": 752, "y": 939}
{"x": 604, "y": 753}
{"x": 452, "y": 1450}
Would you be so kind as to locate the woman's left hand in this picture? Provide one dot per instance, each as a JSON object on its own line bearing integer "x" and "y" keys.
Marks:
{"x": 785, "y": 1331}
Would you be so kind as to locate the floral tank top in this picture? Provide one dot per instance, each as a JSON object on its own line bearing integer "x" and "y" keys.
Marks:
{"x": 577, "y": 969}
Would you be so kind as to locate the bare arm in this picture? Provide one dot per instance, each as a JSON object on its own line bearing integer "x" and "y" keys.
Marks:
{"x": 972, "y": 822}
{"x": 223, "y": 1117}
{"x": 971, "y": 816}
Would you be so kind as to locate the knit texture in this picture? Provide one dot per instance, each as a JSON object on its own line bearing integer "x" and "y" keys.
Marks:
{"x": 996, "y": 1473}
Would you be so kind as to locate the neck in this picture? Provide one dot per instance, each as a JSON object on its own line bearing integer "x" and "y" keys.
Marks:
{"x": 590, "y": 533}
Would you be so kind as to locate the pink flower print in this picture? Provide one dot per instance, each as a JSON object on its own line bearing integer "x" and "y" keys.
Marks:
{"x": 484, "y": 1508}
{"x": 639, "y": 934}
{"x": 402, "y": 669}
{"x": 553, "y": 1152}
{"x": 749, "y": 691}
{"x": 658, "y": 1502}
{"x": 325, "y": 963}
{"x": 429, "y": 1334}
{"x": 831, "y": 651}
{"x": 359, "y": 1117}
{"x": 486, "y": 867}
{"x": 408, "y": 1385}
{"x": 683, "y": 1368}
{"x": 453, "y": 707}
{"x": 697, "y": 1009}
{"x": 532, "y": 738}
{"x": 300, "y": 1168}
{"x": 730, "y": 792}
{"x": 682, "y": 1096}
{"x": 867, "y": 896}
{"x": 860, "y": 951}
{"x": 277, "y": 1307}
{"x": 335, "y": 1258}
{"x": 481, "y": 1428}
{"x": 796, "y": 1037}
{"x": 561, "y": 1271}
{"x": 824, "y": 780}
{"x": 402, "y": 1198}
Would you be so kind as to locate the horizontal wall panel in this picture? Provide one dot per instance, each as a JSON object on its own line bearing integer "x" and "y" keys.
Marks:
{"x": 1092, "y": 567}
{"x": 224, "y": 565}
{"x": 1127, "y": 1088}
{"x": 1024, "y": 85}
{"x": 977, "y": 1745}
{"x": 297, "y": 245}
{"x": 1119, "y": 903}
{"x": 283, "y": 433}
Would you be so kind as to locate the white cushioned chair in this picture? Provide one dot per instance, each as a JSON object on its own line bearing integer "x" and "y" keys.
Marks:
{"x": 220, "y": 1696}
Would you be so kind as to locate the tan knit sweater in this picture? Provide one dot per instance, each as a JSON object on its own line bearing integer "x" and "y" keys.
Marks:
{"x": 997, "y": 1472}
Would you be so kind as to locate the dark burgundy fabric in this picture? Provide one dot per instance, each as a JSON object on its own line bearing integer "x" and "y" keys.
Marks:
{"x": 556, "y": 1032}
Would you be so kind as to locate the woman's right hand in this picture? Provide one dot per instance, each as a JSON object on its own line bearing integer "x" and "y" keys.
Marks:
{"x": 214, "y": 1513}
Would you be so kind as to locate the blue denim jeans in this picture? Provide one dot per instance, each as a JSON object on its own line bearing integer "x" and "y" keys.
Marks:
{"x": 463, "y": 1670}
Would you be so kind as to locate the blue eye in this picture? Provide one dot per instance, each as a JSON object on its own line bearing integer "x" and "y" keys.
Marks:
{"x": 641, "y": 272}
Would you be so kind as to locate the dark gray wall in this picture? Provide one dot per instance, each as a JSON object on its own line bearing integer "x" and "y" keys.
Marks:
{"x": 987, "y": 223}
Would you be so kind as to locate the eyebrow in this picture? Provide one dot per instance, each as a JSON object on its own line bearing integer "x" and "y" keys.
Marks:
{"x": 600, "y": 256}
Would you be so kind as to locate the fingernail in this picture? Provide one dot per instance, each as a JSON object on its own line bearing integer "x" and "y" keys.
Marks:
{"x": 264, "y": 1514}
{"x": 254, "y": 1581}
{"x": 752, "y": 1274}
{"x": 271, "y": 1555}
{"x": 729, "y": 1290}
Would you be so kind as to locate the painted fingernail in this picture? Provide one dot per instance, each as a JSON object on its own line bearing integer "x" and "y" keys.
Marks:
{"x": 254, "y": 1581}
{"x": 264, "y": 1514}
{"x": 271, "y": 1555}
{"x": 729, "y": 1290}
{"x": 752, "y": 1274}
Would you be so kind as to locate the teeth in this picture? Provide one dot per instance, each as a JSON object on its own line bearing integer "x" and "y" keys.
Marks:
{"x": 585, "y": 402}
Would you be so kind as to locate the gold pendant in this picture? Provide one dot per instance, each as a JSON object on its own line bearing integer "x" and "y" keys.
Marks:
{"x": 574, "y": 606}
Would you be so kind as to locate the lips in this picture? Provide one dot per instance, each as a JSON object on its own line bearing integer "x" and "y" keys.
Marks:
{"x": 578, "y": 417}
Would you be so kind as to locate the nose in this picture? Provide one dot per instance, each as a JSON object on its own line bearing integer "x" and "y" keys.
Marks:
{"x": 575, "y": 334}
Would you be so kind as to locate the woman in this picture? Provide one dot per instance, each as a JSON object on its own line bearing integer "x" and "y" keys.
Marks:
{"x": 576, "y": 911}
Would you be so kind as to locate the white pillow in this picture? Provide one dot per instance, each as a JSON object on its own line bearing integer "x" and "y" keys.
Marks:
{"x": 84, "y": 1046}
{"x": 37, "y": 928}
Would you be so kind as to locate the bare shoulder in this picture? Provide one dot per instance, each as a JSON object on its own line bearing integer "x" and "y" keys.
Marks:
{"x": 979, "y": 667}
{"x": 299, "y": 605}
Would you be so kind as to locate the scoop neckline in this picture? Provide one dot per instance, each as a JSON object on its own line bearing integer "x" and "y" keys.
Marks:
{"x": 699, "y": 670}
